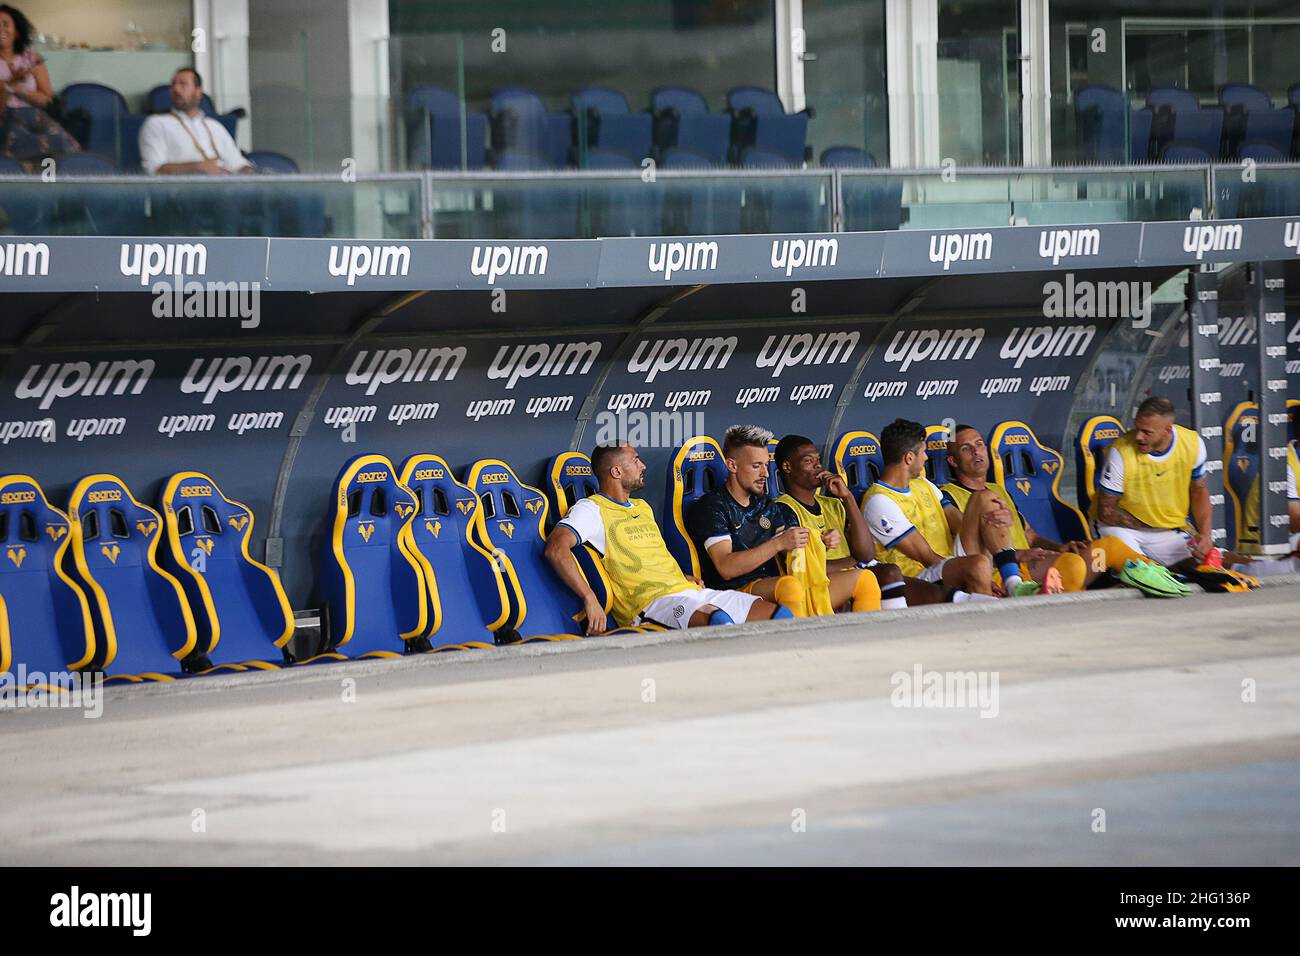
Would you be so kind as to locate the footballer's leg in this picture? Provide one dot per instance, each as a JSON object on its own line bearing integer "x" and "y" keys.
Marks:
{"x": 856, "y": 589}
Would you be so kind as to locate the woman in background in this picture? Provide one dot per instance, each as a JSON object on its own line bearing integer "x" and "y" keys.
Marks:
{"x": 27, "y": 132}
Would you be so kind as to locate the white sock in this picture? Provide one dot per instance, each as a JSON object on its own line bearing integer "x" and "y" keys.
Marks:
{"x": 1009, "y": 584}
{"x": 960, "y": 597}
{"x": 893, "y": 603}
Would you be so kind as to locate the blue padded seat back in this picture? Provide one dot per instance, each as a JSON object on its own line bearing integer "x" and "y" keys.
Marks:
{"x": 936, "y": 454}
{"x": 143, "y": 621}
{"x": 104, "y": 107}
{"x": 1175, "y": 97}
{"x": 683, "y": 119}
{"x": 269, "y": 161}
{"x": 372, "y": 575}
{"x": 512, "y": 520}
{"x": 845, "y": 157}
{"x": 520, "y": 121}
{"x": 770, "y": 128}
{"x": 609, "y": 125}
{"x": 1095, "y": 437}
{"x": 1202, "y": 129}
{"x": 775, "y": 486}
{"x": 1031, "y": 474}
{"x": 45, "y": 621}
{"x": 570, "y": 479}
{"x": 1099, "y": 112}
{"x": 1241, "y": 471}
{"x": 477, "y": 595}
{"x": 858, "y": 461}
{"x": 1139, "y": 131}
{"x": 695, "y": 469}
{"x": 433, "y": 130}
{"x": 1245, "y": 95}
{"x": 1270, "y": 128}
{"x": 239, "y": 606}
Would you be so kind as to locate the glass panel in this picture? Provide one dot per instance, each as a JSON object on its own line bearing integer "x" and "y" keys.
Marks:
{"x": 844, "y": 75}
{"x": 1266, "y": 191}
{"x": 979, "y": 82}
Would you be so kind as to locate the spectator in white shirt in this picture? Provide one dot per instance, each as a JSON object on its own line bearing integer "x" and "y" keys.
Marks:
{"x": 184, "y": 140}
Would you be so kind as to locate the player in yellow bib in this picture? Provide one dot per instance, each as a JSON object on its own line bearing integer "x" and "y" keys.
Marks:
{"x": 1153, "y": 475}
{"x": 648, "y": 585}
{"x": 904, "y": 513}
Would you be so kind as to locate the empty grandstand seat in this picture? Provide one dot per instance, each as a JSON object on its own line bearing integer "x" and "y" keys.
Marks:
{"x": 1139, "y": 134}
{"x": 101, "y": 108}
{"x": 143, "y": 623}
{"x": 478, "y": 596}
{"x": 570, "y": 479}
{"x": 858, "y": 461}
{"x": 240, "y": 609}
{"x": 1239, "y": 100}
{"x": 869, "y": 202}
{"x": 433, "y": 131}
{"x": 775, "y": 486}
{"x": 1244, "y": 95}
{"x": 1201, "y": 129}
{"x": 682, "y": 120}
{"x": 512, "y": 521}
{"x": 605, "y": 122}
{"x": 520, "y": 121}
{"x": 45, "y": 621}
{"x": 373, "y": 579}
{"x": 761, "y": 122}
{"x": 1272, "y": 128}
{"x": 1241, "y": 474}
{"x": 1174, "y": 97}
{"x": 1099, "y": 113}
{"x": 269, "y": 161}
{"x": 695, "y": 469}
{"x": 1031, "y": 474}
{"x": 1089, "y": 457}
{"x": 936, "y": 454}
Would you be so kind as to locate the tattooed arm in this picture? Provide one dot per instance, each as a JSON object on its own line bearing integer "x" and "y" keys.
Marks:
{"x": 1110, "y": 513}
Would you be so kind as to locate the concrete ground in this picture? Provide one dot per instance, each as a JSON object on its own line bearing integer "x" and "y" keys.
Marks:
{"x": 1120, "y": 731}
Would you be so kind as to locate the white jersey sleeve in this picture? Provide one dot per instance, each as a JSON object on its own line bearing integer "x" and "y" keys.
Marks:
{"x": 584, "y": 520}
{"x": 886, "y": 520}
{"x": 1198, "y": 469}
{"x": 1112, "y": 472}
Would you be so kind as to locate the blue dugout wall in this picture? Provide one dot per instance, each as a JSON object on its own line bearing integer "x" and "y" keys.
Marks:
{"x": 523, "y": 350}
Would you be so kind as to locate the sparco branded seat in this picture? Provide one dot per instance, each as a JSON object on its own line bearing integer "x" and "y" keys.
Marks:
{"x": 1090, "y": 456}
{"x": 936, "y": 454}
{"x": 1031, "y": 474}
{"x": 373, "y": 578}
{"x": 856, "y": 458}
{"x": 45, "y": 622}
{"x": 239, "y": 606}
{"x": 144, "y": 627}
{"x": 694, "y": 469}
{"x": 481, "y": 604}
{"x": 1241, "y": 474}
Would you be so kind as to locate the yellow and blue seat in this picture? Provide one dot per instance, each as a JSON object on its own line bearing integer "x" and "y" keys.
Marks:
{"x": 479, "y": 602}
{"x": 1031, "y": 474}
{"x": 858, "y": 461}
{"x": 570, "y": 480}
{"x": 239, "y": 606}
{"x": 1095, "y": 437}
{"x": 373, "y": 579}
{"x": 45, "y": 619}
{"x": 695, "y": 469}
{"x": 936, "y": 454}
{"x": 1241, "y": 474}
{"x": 144, "y": 628}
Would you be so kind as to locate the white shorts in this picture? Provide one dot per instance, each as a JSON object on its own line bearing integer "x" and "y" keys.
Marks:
{"x": 675, "y": 610}
{"x": 934, "y": 573}
{"x": 1167, "y": 547}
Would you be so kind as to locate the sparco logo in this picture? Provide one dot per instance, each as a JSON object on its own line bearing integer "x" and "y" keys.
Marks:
{"x": 497, "y": 261}
{"x": 934, "y": 345}
{"x": 670, "y": 257}
{"x": 65, "y": 379}
{"x": 791, "y": 254}
{"x": 525, "y": 361}
{"x": 1056, "y": 244}
{"x": 805, "y": 349}
{"x": 665, "y": 355}
{"x": 356, "y": 261}
{"x": 400, "y": 365}
{"x": 150, "y": 259}
{"x": 950, "y": 248}
{"x": 24, "y": 259}
{"x": 243, "y": 373}
{"x": 1047, "y": 341}
{"x": 1291, "y": 236}
{"x": 1203, "y": 239}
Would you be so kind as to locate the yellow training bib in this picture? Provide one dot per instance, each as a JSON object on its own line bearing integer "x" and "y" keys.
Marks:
{"x": 636, "y": 559}
{"x": 812, "y": 571}
{"x": 920, "y": 505}
{"x": 961, "y": 494}
{"x": 1156, "y": 491}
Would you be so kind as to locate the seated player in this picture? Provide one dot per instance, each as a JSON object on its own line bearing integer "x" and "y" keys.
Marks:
{"x": 905, "y": 514}
{"x": 1017, "y": 549}
{"x": 739, "y": 531}
{"x": 835, "y": 519}
{"x": 648, "y": 585}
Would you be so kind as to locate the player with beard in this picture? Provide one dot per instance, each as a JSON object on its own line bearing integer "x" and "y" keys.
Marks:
{"x": 648, "y": 585}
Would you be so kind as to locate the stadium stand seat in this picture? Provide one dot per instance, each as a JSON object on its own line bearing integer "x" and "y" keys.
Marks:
{"x": 759, "y": 121}
{"x": 373, "y": 578}
{"x": 269, "y": 161}
{"x": 45, "y": 621}
{"x": 936, "y": 454}
{"x": 1272, "y": 128}
{"x": 159, "y": 100}
{"x": 682, "y": 120}
{"x": 604, "y": 122}
{"x": 1240, "y": 100}
{"x": 1089, "y": 455}
{"x": 144, "y": 627}
{"x": 512, "y": 520}
{"x": 1031, "y": 474}
{"x": 569, "y": 479}
{"x": 1241, "y": 474}
{"x": 694, "y": 469}
{"x": 857, "y": 459}
{"x": 775, "y": 486}
{"x": 1244, "y": 95}
{"x": 1175, "y": 97}
{"x": 519, "y": 121}
{"x": 240, "y": 609}
{"x": 869, "y": 203}
{"x": 433, "y": 131}
{"x": 92, "y": 113}
{"x": 480, "y": 603}
{"x": 1140, "y": 147}
{"x": 1099, "y": 114}
{"x": 1200, "y": 129}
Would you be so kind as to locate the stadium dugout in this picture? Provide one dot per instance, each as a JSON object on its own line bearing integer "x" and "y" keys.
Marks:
{"x": 519, "y": 351}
